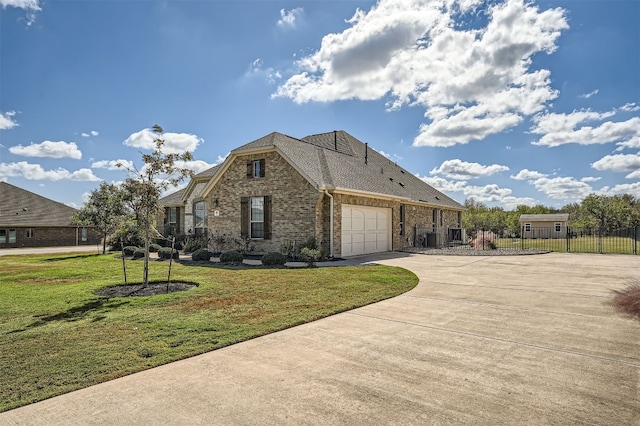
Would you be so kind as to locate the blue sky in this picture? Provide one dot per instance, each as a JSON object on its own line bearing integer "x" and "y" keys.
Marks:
{"x": 508, "y": 102}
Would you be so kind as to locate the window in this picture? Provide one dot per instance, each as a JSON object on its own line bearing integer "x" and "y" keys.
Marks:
{"x": 12, "y": 235}
{"x": 171, "y": 224}
{"x": 29, "y": 233}
{"x": 401, "y": 219}
{"x": 256, "y": 217}
{"x": 558, "y": 226}
{"x": 3, "y": 236}
{"x": 172, "y": 216}
{"x": 255, "y": 169}
{"x": 527, "y": 227}
{"x": 83, "y": 234}
{"x": 200, "y": 217}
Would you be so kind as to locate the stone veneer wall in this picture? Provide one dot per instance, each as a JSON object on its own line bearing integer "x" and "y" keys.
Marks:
{"x": 293, "y": 201}
{"x": 415, "y": 214}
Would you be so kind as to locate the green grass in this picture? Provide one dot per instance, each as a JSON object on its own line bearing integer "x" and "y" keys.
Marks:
{"x": 56, "y": 336}
{"x": 590, "y": 244}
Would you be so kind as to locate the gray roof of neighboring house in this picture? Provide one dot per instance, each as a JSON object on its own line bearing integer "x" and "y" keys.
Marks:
{"x": 552, "y": 217}
{"x": 336, "y": 160}
{"x": 207, "y": 173}
{"x": 19, "y": 207}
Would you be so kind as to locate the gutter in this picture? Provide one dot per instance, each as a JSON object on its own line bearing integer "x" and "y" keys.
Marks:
{"x": 330, "y": 223}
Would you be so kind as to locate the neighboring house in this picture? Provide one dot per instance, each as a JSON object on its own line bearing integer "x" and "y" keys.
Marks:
{"x": 544, "y": 225}
{"x": 279, "y": 190}
{"x": 185, "y": 211}
{"x": 30, "y": 220}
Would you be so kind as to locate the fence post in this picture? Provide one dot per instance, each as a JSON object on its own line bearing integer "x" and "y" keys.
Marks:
{"x": 635, "y": 240}
{"x": 568, "y": 236}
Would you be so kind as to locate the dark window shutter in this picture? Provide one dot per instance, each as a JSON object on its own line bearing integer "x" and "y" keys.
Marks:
{"x": 249, "y": 169}
{"x": 262, "y": 168}
{"x": 244, "y": 217}
{"x": 401, "y": 219}
{"x": 267, "y": 217}
{"x": 178, "y": 230}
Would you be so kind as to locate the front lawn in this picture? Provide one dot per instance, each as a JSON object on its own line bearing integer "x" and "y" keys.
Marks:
{"x": 57, "y": 336}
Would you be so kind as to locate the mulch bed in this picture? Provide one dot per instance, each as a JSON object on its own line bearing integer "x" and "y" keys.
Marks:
{"x": 137, "y": 290}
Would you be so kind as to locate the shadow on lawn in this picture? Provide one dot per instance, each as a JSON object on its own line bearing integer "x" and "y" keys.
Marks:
{"x": 76, "y": 313}
{"x": 77, "y": 256}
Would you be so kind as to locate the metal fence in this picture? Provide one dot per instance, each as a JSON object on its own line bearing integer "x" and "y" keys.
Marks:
{"x": 427, "y": 237}
{"x": 574, "y": 240}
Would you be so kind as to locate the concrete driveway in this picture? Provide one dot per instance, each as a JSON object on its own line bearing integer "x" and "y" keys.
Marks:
{"x": 481, "y": 340}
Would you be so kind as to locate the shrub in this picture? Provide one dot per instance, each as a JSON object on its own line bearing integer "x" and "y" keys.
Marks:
{"x": 201, "y": 254}
{"x": 165, "y": 253}
{"x": 129, "y": 250}
{"x": 231, "y": 256}
{"x": 311, "y": 243}
{"x": 192, "y": 244}
{"x": 138, "y": 253}
{"x": 288, "y": 249}
{"x": 218, "y": 242}
{"x": 627, "y": 300}
{"x": 245, "y": 244}
{"x": 310, "y": 256}
{"x": 274, "y": 259}
{"x": 153, "y": 248}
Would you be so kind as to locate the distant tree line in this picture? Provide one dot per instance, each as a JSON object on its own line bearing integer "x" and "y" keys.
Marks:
{"x": 601, "y": 212}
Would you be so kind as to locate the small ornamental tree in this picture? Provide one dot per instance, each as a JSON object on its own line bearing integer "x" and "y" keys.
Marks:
{"x": 143, "y": 188}
{"x": 104, "y": 210}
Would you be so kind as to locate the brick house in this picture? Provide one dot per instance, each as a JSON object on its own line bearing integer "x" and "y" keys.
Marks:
{"x": 278, "y": 189}
{"x": 30, "y": 220}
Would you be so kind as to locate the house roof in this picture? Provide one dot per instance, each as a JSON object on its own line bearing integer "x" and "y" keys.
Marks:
{"x": 173, "y": 199}
{"x": 553, "y": 217}
{"x": 338, "y": 161}
{"x": 19, "y": 207}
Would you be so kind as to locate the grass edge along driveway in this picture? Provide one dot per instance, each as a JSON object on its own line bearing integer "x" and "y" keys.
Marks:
{"x": 57, "y": 336}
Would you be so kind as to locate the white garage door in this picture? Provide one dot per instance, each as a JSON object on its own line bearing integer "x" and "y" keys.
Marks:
{"x": 365, "y": 230}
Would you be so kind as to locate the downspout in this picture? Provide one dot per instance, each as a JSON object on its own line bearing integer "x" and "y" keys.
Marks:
{"x": 330, "y": 222}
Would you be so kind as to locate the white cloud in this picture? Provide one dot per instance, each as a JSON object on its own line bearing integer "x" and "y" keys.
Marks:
{"x": 630, "y": 107}
{"x": 590, "y": 94}
{"x": 623, "y": 188}
{"x": 526, "y": 174}
{"x": 48, "y": 149}
{"x": 620, "y": 163}
{"x": 113, "y": 165}
{"x": 289, "y": 18}
{"x": 458, "y": 169}
{"x": 392, "y": 157}
{"x": 92, "y": 133}
{"x": 563, "y": 188}
{"x": 196, "y": 166}
{"x": 444, "y": 185}
{"x": 31, "y": 6}
{"x": 257, "y": 70}
{"x": 561, "y": 129}
{"x": 471, "y": 82}
{"x": 174, "y": 143}
{"x": 36, "y": 172}
{"x": 7, "y": 121}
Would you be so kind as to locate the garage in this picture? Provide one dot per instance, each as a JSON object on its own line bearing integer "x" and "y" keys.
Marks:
{"x": 365, "y": 230}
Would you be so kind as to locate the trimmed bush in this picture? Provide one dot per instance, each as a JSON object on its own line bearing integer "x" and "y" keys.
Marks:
{"x": 138, "y": 253}
{"x": 165, "y": 253}
{"x": 201, "y": 254}
{"x": 231, "y": 256}
{"x": 153, "y": 248}
{"x": 129, "y": 250}
{"x": 627, "y": 300}
{"x": 310, "y": 256}
{"x": 274, "y": 259}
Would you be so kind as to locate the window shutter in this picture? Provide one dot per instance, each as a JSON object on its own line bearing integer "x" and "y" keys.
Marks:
{"x": 267, "y": 217}
{"x": 244, "y": 217}
{"x": 262, "y": 167}
{"x": 178, "y": 230}
{"x": 249, "y": 169}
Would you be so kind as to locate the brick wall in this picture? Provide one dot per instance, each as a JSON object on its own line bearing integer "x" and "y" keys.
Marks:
{"x": 293, "y": 201}
{"x": 50, "y": 237}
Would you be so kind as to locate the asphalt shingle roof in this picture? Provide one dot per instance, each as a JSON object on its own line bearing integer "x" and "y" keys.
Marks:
{"x": 337, "y": 160}
{"x": 552, "y": 217}
{"x": 19, "y": 207}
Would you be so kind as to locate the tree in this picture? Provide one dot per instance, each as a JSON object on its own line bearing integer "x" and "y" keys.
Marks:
{"x": 143, "y": 188}
{"x": 104, "y": 210}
